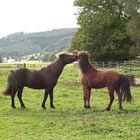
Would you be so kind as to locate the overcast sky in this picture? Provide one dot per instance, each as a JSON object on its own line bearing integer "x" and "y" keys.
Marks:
{"x": 35, "y": 15}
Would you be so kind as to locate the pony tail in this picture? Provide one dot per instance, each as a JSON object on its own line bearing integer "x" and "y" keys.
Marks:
{"x": 125, "y": 88}
{"x": 12, "y": 85}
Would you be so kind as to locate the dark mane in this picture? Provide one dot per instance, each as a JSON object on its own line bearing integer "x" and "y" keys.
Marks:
{"x": 54, "y": 67}
{"x": 85, "y": 64}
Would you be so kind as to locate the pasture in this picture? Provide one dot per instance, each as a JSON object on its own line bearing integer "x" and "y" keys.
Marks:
{"x": 69, "y": 120}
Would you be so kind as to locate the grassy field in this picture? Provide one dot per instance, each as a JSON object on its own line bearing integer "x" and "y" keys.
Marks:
{"x": 69, "y": 120}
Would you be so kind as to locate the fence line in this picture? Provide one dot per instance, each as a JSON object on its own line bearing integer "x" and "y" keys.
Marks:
{"x": 21, "y": 65}
{"x": 103, "y": 64}
{"x": 111, "y": 64}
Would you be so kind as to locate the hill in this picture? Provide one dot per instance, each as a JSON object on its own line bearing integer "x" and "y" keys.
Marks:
{"x": 20, "y": 44}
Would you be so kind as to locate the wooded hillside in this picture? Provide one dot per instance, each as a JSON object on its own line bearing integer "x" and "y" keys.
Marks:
{"x": 19, "y": 44}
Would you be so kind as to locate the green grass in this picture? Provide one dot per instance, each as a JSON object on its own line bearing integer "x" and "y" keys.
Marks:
{"x": 69, "y": 121}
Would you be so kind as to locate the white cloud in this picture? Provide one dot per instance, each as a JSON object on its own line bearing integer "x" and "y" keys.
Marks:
{"x": 35, "y": 15}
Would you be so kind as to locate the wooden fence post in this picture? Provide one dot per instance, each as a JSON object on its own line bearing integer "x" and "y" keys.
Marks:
{"x": 24, "y": 65}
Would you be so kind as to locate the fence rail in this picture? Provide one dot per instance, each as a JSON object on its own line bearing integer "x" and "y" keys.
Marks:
{"x": 116, "y": 63}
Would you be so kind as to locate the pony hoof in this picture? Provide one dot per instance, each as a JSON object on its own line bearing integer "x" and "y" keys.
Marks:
{"x": 86, "y": 107}
{"x": 52, "y": 106}
{"x": 23, "y": 107}
{"x": 43, "y": 107}
{"x": 121, "y": 108}
{"x": 107, "y": 109}
{"x": 13, "y": 107}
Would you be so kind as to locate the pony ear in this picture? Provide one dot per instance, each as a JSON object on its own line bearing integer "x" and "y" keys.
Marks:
{"x": 88, "y": 53}
{"x": 60, "y": 55}
{"x": 76, "y": 52}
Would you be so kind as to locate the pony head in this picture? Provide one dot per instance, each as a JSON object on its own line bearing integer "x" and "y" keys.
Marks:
{"x": 82, "y": 55}
{"x": 67, "y": 58}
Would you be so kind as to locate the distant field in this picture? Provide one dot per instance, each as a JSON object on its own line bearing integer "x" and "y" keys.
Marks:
{"x": 69, "y": 120}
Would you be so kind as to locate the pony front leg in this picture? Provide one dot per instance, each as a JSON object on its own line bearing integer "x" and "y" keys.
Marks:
{"x": 51, "y": 98}
{"x": 44, "y": 100}
{"x": 87, "y": 92}
{"x": 88, "y": 97}
{"x": 85, "y": 106}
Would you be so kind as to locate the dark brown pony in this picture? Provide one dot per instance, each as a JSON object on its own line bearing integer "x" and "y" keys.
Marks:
{"x": 93, "y": 78}
{"x": 45, "y": 78}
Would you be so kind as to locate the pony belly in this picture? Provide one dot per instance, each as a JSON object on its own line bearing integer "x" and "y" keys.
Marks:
{"x": 35, "y": 87}
{"x": 95, "y": 83}
{"x": 97, "y": 86}
{"x": 40, "y": 85}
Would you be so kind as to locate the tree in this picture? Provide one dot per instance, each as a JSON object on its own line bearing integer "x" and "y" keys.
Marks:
{"x": 133, "y": 29}
{"x": 103, "y": 28}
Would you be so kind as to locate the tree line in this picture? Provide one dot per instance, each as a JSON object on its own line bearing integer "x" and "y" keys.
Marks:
{"x": 109, "y": 29}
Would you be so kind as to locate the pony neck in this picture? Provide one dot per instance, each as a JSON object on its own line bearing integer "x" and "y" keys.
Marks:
{"x": 55, "y": 68}
{"x": 86, "y": 66}
{"x": 59, "y": 65}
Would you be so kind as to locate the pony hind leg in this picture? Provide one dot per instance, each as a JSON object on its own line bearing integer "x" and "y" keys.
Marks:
{"x": 119, "y": 98}
{"x": 20, "y": 90}
{"x": 111, "y": 96}
{"x": 13, "y": 100}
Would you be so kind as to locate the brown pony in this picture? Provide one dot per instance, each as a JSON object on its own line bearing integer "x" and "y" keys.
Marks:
{"x": 93, "y": 78}
{"x": 45, "y": 78}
